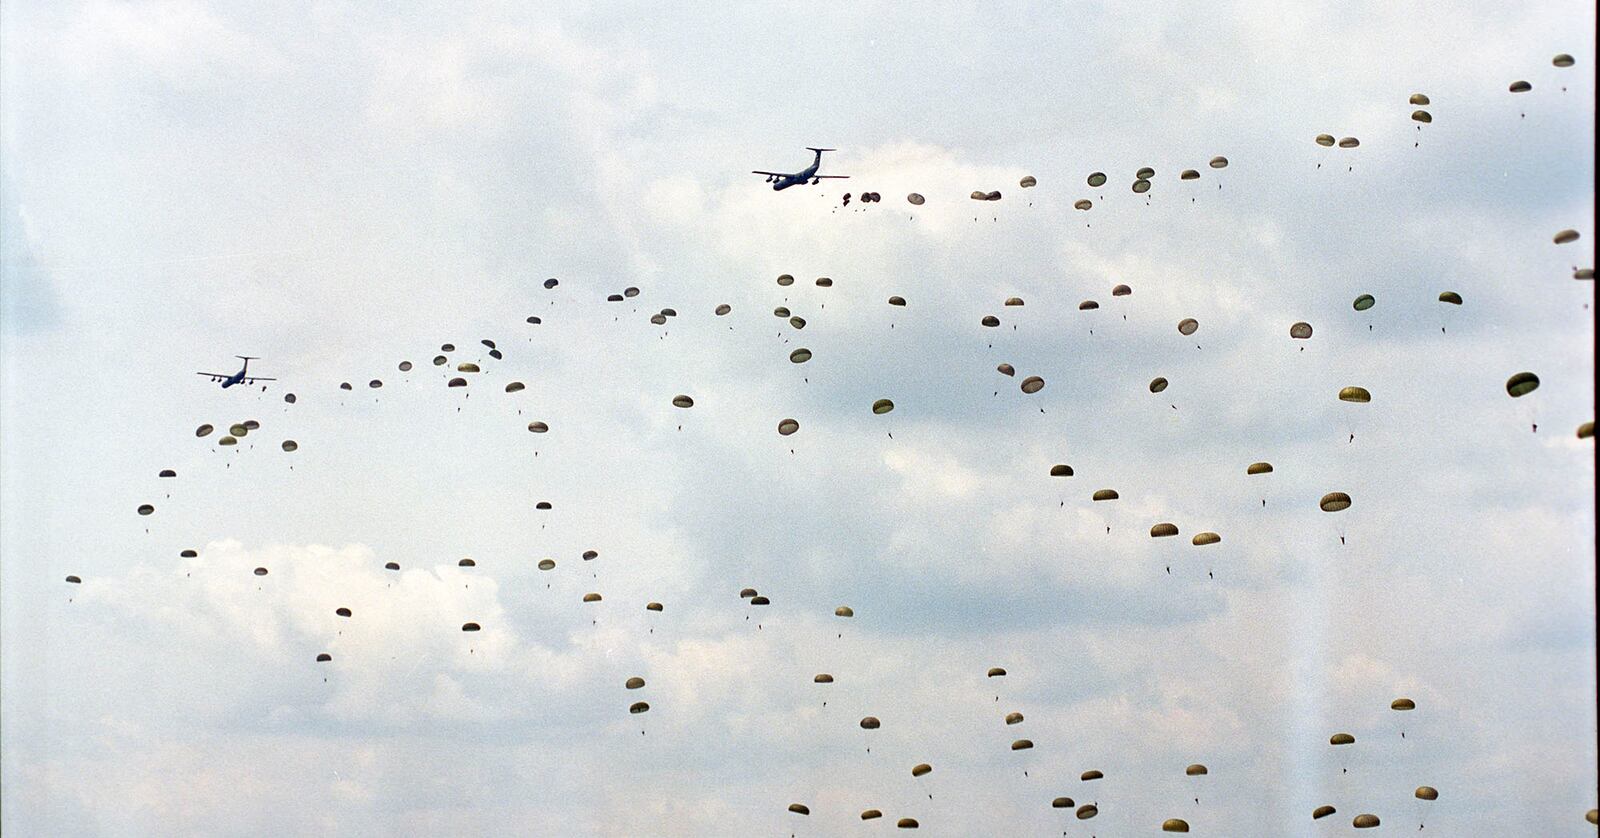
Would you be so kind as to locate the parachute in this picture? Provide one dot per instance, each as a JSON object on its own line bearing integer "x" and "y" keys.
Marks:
{"x": 652, "y": 606}
{"x": 1258, "y": 468}
{"x": 990, "y": 320}
{"x": 1325, "y": 140}
{"x": 1062, "y": 803}
{"x": 470, "y": 627}
{"x": 1450, "y": 297}
{"x": 1061, "y": 470}
{"x": 342, "y": 612}
{"x": 1300, "y": 331}
{"x": 1341, "y": 739}
{"x": 1195, "y": 770}
{"x": 1145, "y": 173}
{"x": 74, "y": 580}
{"x": 1158, "y": 384}
{"x": 1189, "y": 174}
{"x": 869, "y": 814}
{"x": 822, "y": 678}
{"x": 746, "y": 593}
{"x": 1402, "y": 704}
{"x": 238, "y": 429}
{"x": 1349, "y": 142}
{"x": 1082, "y": 204}
{"x": 681, "y": 400}
{"x": 1006, "y": 369}
{"x": 800, "y": 356}
{"x": 260, "y": 571}
{"x": 551, "y": 283}
{"x": 1014, "y": 301}
{"x": 1520, "y": 87}
{"x": 1564, "y": 60}
{"x": 1419, "y": 99}
{"x": 344, "y": 385}
{"x": 405, "y": 366}
{"x": 538, "y": 428}
{"x": 633, "y": 683}
{"x": 146, "y": 509}
{"x": 920, "y": 769}
{"x": 466, "y": 563}
{"x": 1087, "y": 811}
{"x": 1106, "y": 494}
{"x": 1321, "y": 812}
{"x": 1427, "y": 793}
{"x": 1364, "y": 302}
{"x": 1174, "y": 825}
{"x": 639, "y": 707}
{"x": 1141, "y": 186}
{"x": 630, "y": 292}
{"x": 516, "y": 387}
{"x": 1088, "y": 305}
{"x": 457, "y": 382}
{"x": 391, "y": 566}
{"x": 1522, "y": 384}
{"x": 979, "y": 196}
{"x": 723, "y": 309}
{"x": 547, "y": 564}
{"x": 1365, "y": 821}
{"x": 228, "y": 440}
{"x": 1163, "y": 530}
{"x": 906, "y": 823}
{"x": 591, "y": 597}
{"x": 1091, "y": 774}
{"x": 882, "y": 406}
{"x": 785, "y": 280}
{"x": 1097, "y": 179}
{"x": 1121, "y": 291}
{"x": 996, "y": 672}
{"x": 1421, "y": 116}
{"x": 324, "y": 657}
{"x": 1219, "y": 162}
{"x": 825, "y": 282}
{"x": 167, "y": 472}
{"x": 1028, "y": 182}
{"x": 1205, "y": 538}
{"x": 915, "y": 200}
{"x": 844, "y": 611}
{"x": 897, "y": 301}
{"x": 1334, "y": 502}
{"x": 1586, "y": 430}
{"x": 1022, "y": 744}
{"x": 1032, "y": 384}
{"x": 760, "y": 600}
{"x": 1359, "y": 395}
{"x": 1013, "y": 718}
{"x": 1188, "y": 326}
{"x": 870, "y": 723}
{"x": 787, "y": 427}
{"x": 1566, "y": 236}
{"x": 799, "y": 808}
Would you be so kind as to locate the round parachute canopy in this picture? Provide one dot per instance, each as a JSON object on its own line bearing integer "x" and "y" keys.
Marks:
{"x": 1365, "y": 821}
{"x": 1188, "y": 326}
{"x": 1082, "y": 204}
{"x": 1006, "y": 369}
{"x": 1450, "y": 297}
{"x": 189, "y": 554}
{"x": 1402, "y": 704}
{"x": 391, "y": 566}
{"x": 551, "y": 282}
{"x": 146, "y": 509}
{"x": 252, "y": 425}
{"x": 375, "y": 383}
{"x": 515, "y": 386}
{"x": 1359, "y": 395}
{"x": 74, "y": 580}
{"x": 1097, "y": 179}
{"x": 1321, "y": 812}
{"x": 822, "y": 678}
{"x": 630, "y": 292}
{"x": 1106, "y": 494}
{"x": 590, "y": 555}
{"x": 800, "y": 356}
{"x": 920, "y": 769}
{"x": 824, "y": 282}
{"x": 915, "y": 200}
{"x": 470, "y": 627}
{"x": 260, "y": 571}
{"x": 1349, "y": 142}
{"x": 1592, "y": 816}
{"x": 1195, "y": 770}
{"x": 167, "y": 472}
{"x": 979, "y": 196}
{"x": 844, "y": 611}
{"x": 1583, "y": 273}
{"x": 1586, "y": 430}
{"x": 324, "y": 657}
{"x": 1219, "y": 162}
{"x": 799, "y": 808}
{"x": 870, "y": 723}
{"x": 1087, "y": 811}
{"x": 467, "y": 367}
{"x": 1028, "y": 182}
{"x": 746, "y": 593}
{"x": 345, "y": 385}
{"x": 1341, "y": 739}
{"x": 1014, "y": 301}
{"x": 1258, "y": 468}
{"x": 1202, "y": 539}
{"x": 342, "y": 612}
{"x": 238, "y": 429}
{"x": 1421, "y": 116}
{"x": 760, "y": 600}
{"x": 1088, "y": 305}
{"x": 1013, "y": 718}
{"x": 906, "y": 823}
{"x": 723, "y": 309}
{"x": 1334, "y": 502}
{"x": 681, "y": 400}
{"x": 613, "y": 298}
{"x": 1062, "y": 803}
{"x": 535, "y": 319}
{"x": 1032, "y": 384}
{"x": 289, "y": 397}
{"x": 457, "y": 382}
{"x": 992, "y": 196}
{"x": 1427, "y": 793}
{"x": 544, "y": 504}
{"x": 1145, "y": 173}
{"x": 487, "y": 342}
{"x": 228, "y": 440}
{"x": 996, "y": 672}
{"x": 1164, "y": 530}
{"x": 1121, "y": 291}
{"x": 1325, "y": 140}
{"x": 897, "y": 301}
{"x": 787, "y": 427}
{"x": 1091, "y": 774}
{"x": 1563, "y": 60}
{"x": 785, "y": 280}
{"x": 658, "y": 319}
{"x": 633, "y": 683}
{"x": 439, "y": 360}
{"x": 405, "y": 366}
{"x": 781, "y": 311}
{"x": 797, "y": 322}
{"x": 1141, "y": 186}
{"x": 1420, "y": 99}
{"x": 1188, "y": 174}
{"x": 1522, "y": 384}
{"x": 591, "y": 597}
{"x": 1158, "y": 384}
{"x": 1520, "y": 87}
{"x": 466, "y": 563}
{"x": 547, "y": 564}
{"x": 639, "y": 707}
{"x": 1061, "y": 470}
{"x": 990, "y": 320}
{"x": 1300, "y": 331}
{"x": 1022, "y": 744}
{"x": 1566, "y": 236}
{"x": 1174, "y": 825}
{"x": 652, "y": 606}
{"x": 1364, "y": 302}
{"x": 882, "y": 406}
{"x": 870, "y": 814}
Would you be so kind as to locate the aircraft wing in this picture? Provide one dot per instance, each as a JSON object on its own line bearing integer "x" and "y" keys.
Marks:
{"x": 251, "y": 379}
{"x": 772, "y": 174}
{"x": 213, "y": 374}
{"x": 828, "y": 176}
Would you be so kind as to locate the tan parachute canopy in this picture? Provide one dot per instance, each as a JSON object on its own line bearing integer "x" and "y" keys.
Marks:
{"x": 1163, "y": 530}
{"x": 785, "y": 279}
{"x": 260, "y": 571}
{"x": 1563, "y": 60}
{"x": 1349, "y": 142}
{"x": 870, "y": 723}
{"x": 1158, "y": 384}
{"x": 1195, "y": 770}
{"x": 1014, "y": 301}
{"x": 979, "y": 196}
{"x": 844, "y": 611}
{"x": 1359, "y": 395}
{"x": 1325, "y": 140}
{"x": 996, "y": 672}
{"x": 915, "y": 199}
{"x": 1145, "y": 173}
{"x": 239, "y": 429}
{"x": 466, "y": 563}
{"x": 1421, "y": 116}
{"x": 1219, "y": 162}
{"x": 1365, "y": 821}
{"x": 1088, "y": 305}
{"x": 746, "y": 593}
{"x": 538, "y": 427}
{"x": 1091, "y": 774}
{"x": 1520, "y": 87}
{"x": 290, "y": 446}
{"x": 146, "y": 509}
{"x": 1427, "y": 793}
{"x": 906, "y": 823}
{"x": 758, "y": 599}
{"x": 1097, "y": 179}
{"x": 870, "y": 814}
{"x": 457, "y": 382}
{"x": 639, "y": 707}
{"x": 1174, "y": 825}
{"x": 722, "y": 309}
{"x": 1028, "y": 182}
{"x": 822, "y": 678}
{"x": 1188, "y": 174}
{"x": 1586, "y": 430}
{"x": 652, "y": 606}
{"x": 1341, "y": 739}
{"x": 1121, "y": 291}
{"x": 1106, "y": 494}
{"x": 1205, "y": 538}
{"x": 1032, "y": 384}
{"x": 1522, "y": 384}
{"x": 470, "y": 627}
{"x": 391, "y": 566}
{"x": 547, "y": 564}
{"x": 1258, "y": 468}
{"x": 1082, "y": 204}
{"x": 228, "y": 440}
{"x": 825, "y": 282}
{"x": 1013, "y": 718}
{"x": 1141, "y": 186}
{"x": 920, "y": 769}
{"x": 1022, "y": 744}
{"x": 1006, "y": 369}
{"x": 342, "y": 612}
{"x": 800, "y": 356}
{"x": 1402, "y": 704}
{"x": 882, "y": 406}
{"x": 1321, "y": 812}
{"x": 1188, "y": 326}
{"x": 781, "y": 311}
{"x": 1087, "y": 811}
{"x": 897, "y": 301}
{"x": 1062, "y": 803}
{"x": 990, "y": 320}
{"x": 1450, "y": 297}
{"x": 591, "y": 597}
{"x": 1061, "y": 470}
{"x": 1300, "y": 331}
{"x": 74, "y": 580}
{"x": 787, "y": 427}
{"x": 1334, "y": 502}
{"x": 1420, "y": 99}
{"x": 799, "y": 808}
{"x": 681, "y": 400}
{"x": 1566, "y": 236}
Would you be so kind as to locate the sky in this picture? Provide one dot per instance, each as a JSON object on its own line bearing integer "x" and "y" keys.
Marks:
{"x": 339, "y": 187}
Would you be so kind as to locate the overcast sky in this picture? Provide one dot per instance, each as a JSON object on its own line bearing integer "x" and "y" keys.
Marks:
{"x": 341, "y": 187}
